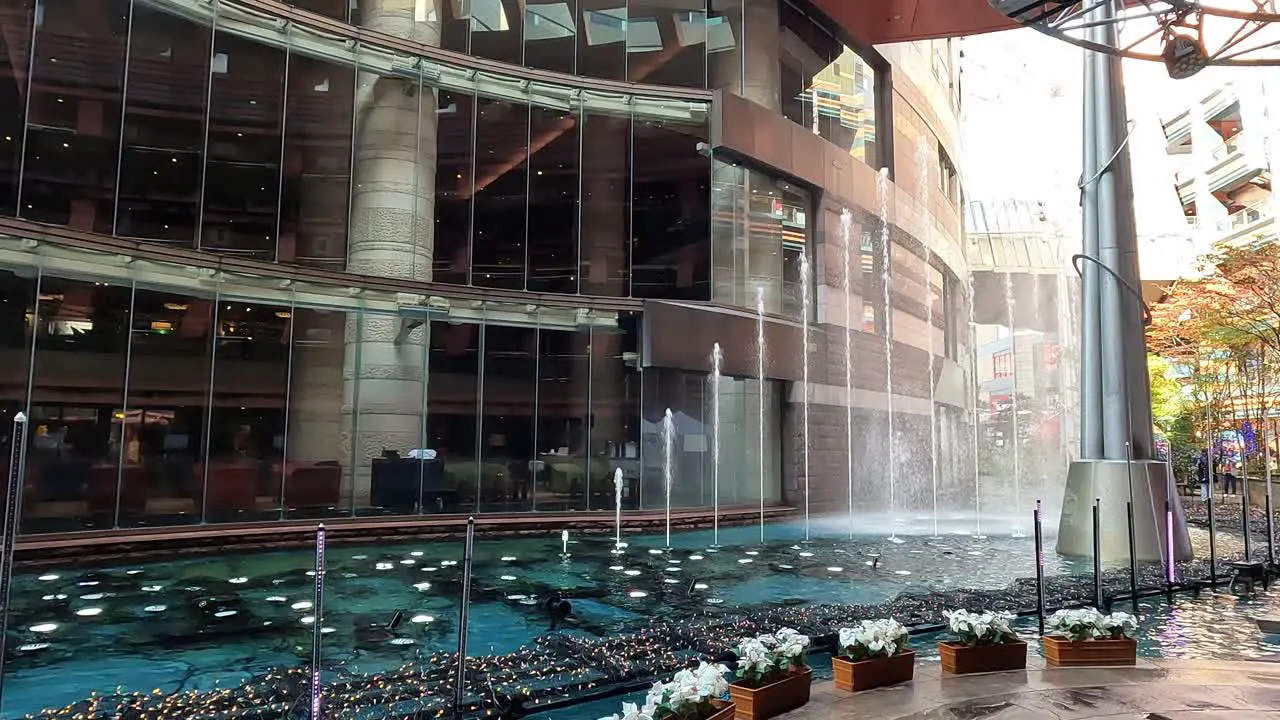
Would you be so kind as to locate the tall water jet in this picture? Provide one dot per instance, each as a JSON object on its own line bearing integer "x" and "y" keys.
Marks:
{"x": 760, "y": 350}
{"x": 846, "y": 261}
{"x": 1013, "y": 394}
{"x": 886, "y": 278}
{"x": 805, "y": 290}
{"x": 717, "y": 362}
{"x": 922, "y": 168}
{"x": 976, "y": 388}
{"x": 668, "y": 443}
{"x": 617, "y": 509}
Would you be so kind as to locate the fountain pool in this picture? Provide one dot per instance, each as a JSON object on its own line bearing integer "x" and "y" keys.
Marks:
{"x": 208, "y": 623}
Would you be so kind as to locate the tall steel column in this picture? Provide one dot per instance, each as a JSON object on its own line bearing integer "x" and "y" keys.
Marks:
{"x": 1115, "y": 422}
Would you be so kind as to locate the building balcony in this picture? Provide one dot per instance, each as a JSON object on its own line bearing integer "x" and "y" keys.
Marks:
{"x": 1234, "y": 163}
{"x": 1177, "y": 128}
{"x": 1242, "y": 226}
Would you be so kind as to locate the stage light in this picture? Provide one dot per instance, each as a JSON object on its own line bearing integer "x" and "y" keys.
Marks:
{"x": 1184, "y": 56}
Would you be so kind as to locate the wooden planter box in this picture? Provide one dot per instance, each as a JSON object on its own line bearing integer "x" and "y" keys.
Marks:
{"x": 959, "y": 659}
{"x": 875, "y": 673}
{"x": 771, "y": 700}
{"x": 724, "y": 713}
{"x": 1061, "y": 652}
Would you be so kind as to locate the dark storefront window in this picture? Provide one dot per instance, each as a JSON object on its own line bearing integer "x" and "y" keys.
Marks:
{"x": 670, "y": 213}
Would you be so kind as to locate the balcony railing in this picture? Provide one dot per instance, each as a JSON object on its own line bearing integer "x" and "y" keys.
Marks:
{"x": 1249, "y": 215}
{"x": 1228, "y": 147}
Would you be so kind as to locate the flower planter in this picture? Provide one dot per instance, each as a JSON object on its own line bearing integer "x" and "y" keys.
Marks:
{"x": 773, "y": 699}
{"x": 958, "y": 659}
{"x": 877, "y": 672}
{"x": 724, "y": 713}
{"x": 1061, "y": 652}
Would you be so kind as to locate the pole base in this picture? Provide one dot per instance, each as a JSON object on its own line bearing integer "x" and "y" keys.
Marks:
{"x": 1111, "y": 481}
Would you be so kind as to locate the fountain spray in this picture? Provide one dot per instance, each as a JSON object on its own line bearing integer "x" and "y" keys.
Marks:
{"x": 1013, "y": 362}
{"x": 922, "y": 167}
{"x": 717, "y": 363}
{"x": 886, "y": 277}
{"x": 973, "y": 377}
{"x": 760, "y": 349}
{"x": 564, "y": 543}
{"x": 668, "y": 440}
{"x": 617, "y": 508}
{"x": 846, "y": 260}
{"x": 805, "y": 289}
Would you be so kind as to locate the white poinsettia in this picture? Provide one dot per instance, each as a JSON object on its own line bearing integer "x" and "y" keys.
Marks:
{"x": 762, "y": 659}
{"x": 688, "y": 696}
{"x": 631, "y": 711}
{"x": 873, "y": 638}
{"x": 986, "y": 628}
{"x": 1090, "y": 624}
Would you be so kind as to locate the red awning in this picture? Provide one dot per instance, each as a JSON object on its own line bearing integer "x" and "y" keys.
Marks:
{"x": 873, "y": 22}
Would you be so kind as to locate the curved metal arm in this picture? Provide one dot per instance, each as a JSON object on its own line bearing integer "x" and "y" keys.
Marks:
{"x": 1110, "y": 161}
{"x": 1075, "y": 263}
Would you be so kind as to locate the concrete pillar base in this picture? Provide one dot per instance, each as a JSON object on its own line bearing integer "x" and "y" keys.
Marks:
{"x": 1109, "y": 481}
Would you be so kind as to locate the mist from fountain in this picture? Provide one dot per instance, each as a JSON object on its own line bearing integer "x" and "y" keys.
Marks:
{"x": 668, "y": 443}
{"x": 922, "y": 168}
{"x": 846, "y": 261}
{"x": 717, "y": 363}
{"x": 1013, "y": 394}
{"x": 882, "y": 191}
{"x": 760, "y": 355}
{"x": 976, "y": 424}
{"x": 805, "y": 291}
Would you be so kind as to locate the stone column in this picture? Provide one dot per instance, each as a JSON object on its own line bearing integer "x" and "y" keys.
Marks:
{"x": 756, "y": 32}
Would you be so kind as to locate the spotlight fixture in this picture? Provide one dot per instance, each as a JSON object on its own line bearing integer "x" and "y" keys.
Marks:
{"x": 1183, "y": 55}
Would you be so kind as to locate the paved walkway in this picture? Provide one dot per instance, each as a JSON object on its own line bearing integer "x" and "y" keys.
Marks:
{"x": 1154, "y": 690}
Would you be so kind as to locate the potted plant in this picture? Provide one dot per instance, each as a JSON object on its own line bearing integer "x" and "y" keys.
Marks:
{"x": 773, "y": 677}
{"x": 693, "y": 694}
{"x": 1087, "y": 637}
{"x": 986, "y": 643}
{"x": 873, "y": 654}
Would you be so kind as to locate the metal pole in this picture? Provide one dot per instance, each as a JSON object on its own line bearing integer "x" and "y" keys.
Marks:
{"x": 1170, "y": 568}
{"x": 1271, "y": 528}
{"x": 1097, "y": 553}
{"x": 1213, "y": 531}
{"x": 1244, "y": 509}
{"x": 12, "y": 514}
{"x": 317, "y": 627}
{"x": 1133, "y": 560}
{"x": 1090, "y": 337}
{"x": 1039, "y": 566}
{"x": 461, "y": 687}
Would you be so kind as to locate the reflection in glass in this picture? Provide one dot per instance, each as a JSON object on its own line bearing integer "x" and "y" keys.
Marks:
{"x": 167, "y": 413}
{"x": 553, "y": 201}
{"x": 78, "y": 451}
{"x": 496, "y": 30}
{"x": 602, "y": 39}
{"x": 244, "y": 470}
{"x": 314, "y": 461}
{"x": 615, "y": 415}
{"x": 15, "y": 31}
{"x": 550, "y": 34}
{"x": 242, "y": 167}
{"x": 667, "y": 42}
{"x": 502, "y": 154}
{"x": 605, "y": 179}
{"x": 17, "y": 318}
{"x": 454, "y": 166}
{"x": 73, "y": 122}
{"x": 560, "y": 472}
{"x": 671, "y": 253}
{"x": 161, "y": 161}
{"x": 507, "y": 432}
{"x": 453, "y": 396}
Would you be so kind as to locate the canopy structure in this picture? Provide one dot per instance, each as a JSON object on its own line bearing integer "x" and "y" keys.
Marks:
{"x": 874, "y": 22}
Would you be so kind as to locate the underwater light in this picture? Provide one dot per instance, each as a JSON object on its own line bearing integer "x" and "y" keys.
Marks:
{"x": 416, "y": 553}
{"x": 49, "y": 577}
{"x": 44, "y": 627}
{"x": 238, "y": 580}
{"x": 507, "y": 577}
{"x": 301, "y": 605}
{"x": 632, "y": 573}
{"x": 154, "y": 608}
{"x": 32, "y": 647}
{"x": 225, "y": 613}
{"x": 89, "y": 611}
{"x": 695, "y": 557}
{"x": 307, "y": 619}
{"x": 638, "y": 594}
{"x": 744, "y": 561}
{"x": 422, "y": 586}
{"x": 422, "y": 619}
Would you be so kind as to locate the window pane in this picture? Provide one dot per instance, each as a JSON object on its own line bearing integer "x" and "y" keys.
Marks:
{"x": 507, "y": 443}
{"x": 615, "y": 415}
{"x": 606, "y": 205}
{"x": 17, "y": 315}
{"x": 553, "y": 201}
{"x": 164, "y": 123}
{"x": 496, "y": 30}
{"x": 387, "y": 398}
{"x": 681, "y": 393}
{"x": 242, "y": 168}
{"x": 452, "y": 398}
{"x": 724, "y": 46}
{"x": 73, "y": 122}
{"x": 169, "y": 371}
{"x": 77, "y": 431}
{"x": 314, "y": 461}
{"x": 15, "y": 47}
{"x": 501, "y": 186}
{"x": 602, "y": 39}
{"x": 246, "y": 441}
{"x": 550, "y": 34}
{"x": 560, "y": 472}
{"x": 317, "y": 163}
{"x": 455, "y": 31}
{"x": 667, "y": 42}
{"x": 454, "y": 155}
{"x": 336, "y": 9}
{"x": 671, "y": 251}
